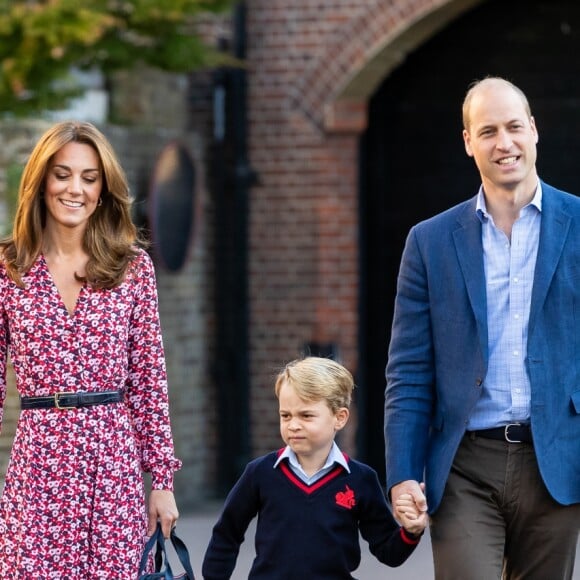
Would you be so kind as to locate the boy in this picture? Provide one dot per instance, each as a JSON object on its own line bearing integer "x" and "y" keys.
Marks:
{"x": 311, "y": 499}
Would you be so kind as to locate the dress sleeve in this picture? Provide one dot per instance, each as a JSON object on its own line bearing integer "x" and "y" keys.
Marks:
{"x": 3, "y": 346}
{"x": 147, "y": 395}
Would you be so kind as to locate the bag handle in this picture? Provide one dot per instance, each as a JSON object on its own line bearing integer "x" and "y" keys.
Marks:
{"x": 156, "y": 539}
{"x": 182, "y": 553}
{"x": 180, "y": 548}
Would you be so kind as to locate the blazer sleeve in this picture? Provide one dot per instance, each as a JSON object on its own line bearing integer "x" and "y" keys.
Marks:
{"x": 410, "y": 371}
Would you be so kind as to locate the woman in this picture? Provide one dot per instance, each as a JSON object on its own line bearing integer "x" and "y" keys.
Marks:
{"x": 79, "y": 320}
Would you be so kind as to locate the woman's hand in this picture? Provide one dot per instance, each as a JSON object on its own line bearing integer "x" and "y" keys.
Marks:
{"x": 162, "y": 508}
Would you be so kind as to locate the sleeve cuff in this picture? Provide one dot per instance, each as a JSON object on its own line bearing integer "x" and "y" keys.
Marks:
{"x": 409, "y": 538}
{"x": 162, "y": 480}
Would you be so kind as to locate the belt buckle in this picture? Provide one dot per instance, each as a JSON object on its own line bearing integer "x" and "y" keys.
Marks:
{"x": 506, "y": 432}
{"x": 57, "y": 404}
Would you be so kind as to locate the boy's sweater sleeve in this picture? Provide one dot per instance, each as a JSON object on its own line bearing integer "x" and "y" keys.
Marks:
{"x": 240, "y": 507}
{"x": 387, "y": 540}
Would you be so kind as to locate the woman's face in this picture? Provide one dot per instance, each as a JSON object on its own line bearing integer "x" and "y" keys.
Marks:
{"x": 73, "y": 185}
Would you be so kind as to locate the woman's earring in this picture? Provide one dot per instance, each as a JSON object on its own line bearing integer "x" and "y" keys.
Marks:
{"x": 100, "y": 202}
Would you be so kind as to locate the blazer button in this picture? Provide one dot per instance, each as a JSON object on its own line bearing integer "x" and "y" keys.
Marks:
{"x": 478, "y": 382}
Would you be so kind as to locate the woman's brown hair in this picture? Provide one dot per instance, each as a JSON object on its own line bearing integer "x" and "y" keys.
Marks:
{"x": 111, "y": 238}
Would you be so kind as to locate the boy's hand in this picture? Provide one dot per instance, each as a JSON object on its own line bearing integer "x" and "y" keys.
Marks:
{"x": 406, "y": 511}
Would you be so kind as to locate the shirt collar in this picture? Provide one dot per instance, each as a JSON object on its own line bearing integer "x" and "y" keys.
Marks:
{"x": 481, "y": 208}
{"x": 335, "y": 456}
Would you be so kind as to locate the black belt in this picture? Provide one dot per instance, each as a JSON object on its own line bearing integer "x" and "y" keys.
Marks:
{"x": 71, "y": 400}
{"x": 512, "y": 433}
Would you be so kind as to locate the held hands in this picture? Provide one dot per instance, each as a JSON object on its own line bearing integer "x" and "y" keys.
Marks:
{"x": 410, "y": 517}
{"x": 162, "y": 508}
{"x": 410, "y": 506}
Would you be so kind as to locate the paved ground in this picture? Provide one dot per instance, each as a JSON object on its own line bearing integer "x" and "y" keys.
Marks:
{"x": 195, "y": 530}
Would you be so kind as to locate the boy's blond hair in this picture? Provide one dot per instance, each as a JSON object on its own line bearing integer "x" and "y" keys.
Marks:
{"x": 315, "y": 379}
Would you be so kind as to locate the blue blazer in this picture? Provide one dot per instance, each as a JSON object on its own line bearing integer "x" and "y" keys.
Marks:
{"x": 439, "y": 351}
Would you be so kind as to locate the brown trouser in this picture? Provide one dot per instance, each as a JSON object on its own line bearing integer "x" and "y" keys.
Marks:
{"x": 497, "y": 520}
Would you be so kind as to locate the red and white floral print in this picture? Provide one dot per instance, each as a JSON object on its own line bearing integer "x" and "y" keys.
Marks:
{"x": 73, "y": 504}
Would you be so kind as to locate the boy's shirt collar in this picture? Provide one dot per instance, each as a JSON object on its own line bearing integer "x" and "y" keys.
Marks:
{"x": 335, "y": 456}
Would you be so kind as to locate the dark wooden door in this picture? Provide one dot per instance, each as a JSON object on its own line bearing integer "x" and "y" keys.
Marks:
{"x": 413, "y": 163}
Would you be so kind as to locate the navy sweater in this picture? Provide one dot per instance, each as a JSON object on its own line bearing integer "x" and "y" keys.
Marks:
{"x": 305, "y": 532}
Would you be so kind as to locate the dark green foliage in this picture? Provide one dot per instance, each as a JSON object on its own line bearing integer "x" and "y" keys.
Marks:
{"x": 40, "y": 40}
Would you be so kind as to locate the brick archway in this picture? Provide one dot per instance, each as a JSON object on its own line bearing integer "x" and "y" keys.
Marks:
{"x": 312, "y": 67}
{"x": 333, "y": 92}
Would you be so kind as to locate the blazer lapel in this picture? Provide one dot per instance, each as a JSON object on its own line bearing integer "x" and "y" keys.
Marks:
{"x": 553, "y": 232}
{"x": 469, "y": 248}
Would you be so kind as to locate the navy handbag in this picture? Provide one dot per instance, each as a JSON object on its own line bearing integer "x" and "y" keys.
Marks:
{"x": 162, "y": 566}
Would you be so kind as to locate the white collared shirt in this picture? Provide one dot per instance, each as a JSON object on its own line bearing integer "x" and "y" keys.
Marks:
{"x": 335, "y": 456}
{"x": 509, "y": 275}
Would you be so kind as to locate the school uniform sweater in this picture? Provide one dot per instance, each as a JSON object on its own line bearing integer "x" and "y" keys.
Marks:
{"x": 305, "y": 532}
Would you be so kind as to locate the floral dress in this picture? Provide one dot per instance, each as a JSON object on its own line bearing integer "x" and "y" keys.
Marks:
{"x": 73, "y": 505}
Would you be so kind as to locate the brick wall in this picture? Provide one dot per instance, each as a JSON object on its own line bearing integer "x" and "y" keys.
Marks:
{"x": 312, "y": 66}
{"x": 303, "y": 251}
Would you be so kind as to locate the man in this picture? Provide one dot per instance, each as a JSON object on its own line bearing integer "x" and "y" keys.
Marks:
{"x": 483, "y": 377}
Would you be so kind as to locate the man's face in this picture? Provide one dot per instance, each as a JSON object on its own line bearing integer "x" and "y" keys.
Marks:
{"x": 501, "y": 138}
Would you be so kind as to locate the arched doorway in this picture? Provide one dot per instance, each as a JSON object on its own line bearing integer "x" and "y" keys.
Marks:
{"x": 412, "y": 160}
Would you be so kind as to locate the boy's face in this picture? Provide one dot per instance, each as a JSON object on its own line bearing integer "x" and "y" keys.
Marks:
{"x": 308, "y": 427}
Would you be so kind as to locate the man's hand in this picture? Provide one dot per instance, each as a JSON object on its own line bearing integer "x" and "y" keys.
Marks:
{"x": 413, "y": 520}
{"x": 415, "y": 489}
